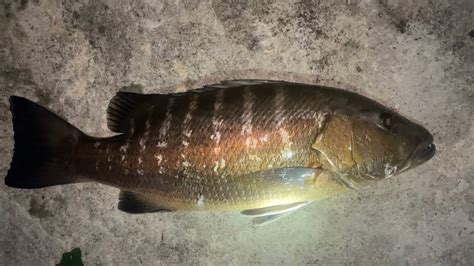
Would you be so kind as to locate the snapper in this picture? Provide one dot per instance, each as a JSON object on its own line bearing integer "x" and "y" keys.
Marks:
{"x": 265, "y": 148}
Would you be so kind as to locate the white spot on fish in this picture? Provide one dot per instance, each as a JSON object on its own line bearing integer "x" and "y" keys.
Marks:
{"x": 96, "y": 144}
{"x": 188, "y": 133}
{"x": 247, "y": 116}
{"x": 162, "y": 144}
{"x": 279, "y": 102}
{"x": 185, "y": 143}
{"x": 165, "y": 126}
{"x": 320, "y": 119}
{"x": 110, "y": 167}
{"x": 142, "y": 143}
{"x": 140, "y": 171}
{"x": 122, "y": 158}
{"x": 389, "y": 170}
{"x": 159, "y": 158}
{"x": 287, "y": 154}
{"x": 186, "y": 164}
{"x": 187, "y": 119}
{"x": 222, "y": 163}
{"x": 200, "y": 201}
{"x": 216, "y": 136}
{"x": 140, "y": 161}
{"x": 284, "y": 136}
{"x": 264, "y": 138}
{"x": 124, "y": 148}
{"x": 216, "y": 166}
{"x": 108, "y": 159}
{"x": 254, "y": 157}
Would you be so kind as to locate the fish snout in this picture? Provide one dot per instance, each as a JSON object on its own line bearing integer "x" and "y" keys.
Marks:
{"x": 425, "y": 150}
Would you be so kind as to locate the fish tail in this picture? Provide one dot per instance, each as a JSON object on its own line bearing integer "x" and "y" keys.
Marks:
{"x": 44, "y": 147}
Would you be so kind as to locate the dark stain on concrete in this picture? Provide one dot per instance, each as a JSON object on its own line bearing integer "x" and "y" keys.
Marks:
{"x": 23, "y": 5}
{"x": 396, "y": 17}
{"x": 7, "y": 12}
{"x": 237, "y": 20}
{"x": 18, "y": 77}
{"x": 38, "y": 208}
{"x": 44, "y": 97}
{"x": 107, "y": 29}
{"x": 136, "y": 88}
{"x": 471, "y": 34}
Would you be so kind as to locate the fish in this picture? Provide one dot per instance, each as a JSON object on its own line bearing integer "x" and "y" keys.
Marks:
{"x": 264, "y": 148}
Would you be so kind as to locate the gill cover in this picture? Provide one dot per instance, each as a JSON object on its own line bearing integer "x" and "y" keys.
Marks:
{"x": 334, "y": 144}
{"x": 357, "y": 150}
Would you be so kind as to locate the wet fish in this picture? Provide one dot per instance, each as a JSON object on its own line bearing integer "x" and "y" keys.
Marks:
{"x": 265, "y": 148}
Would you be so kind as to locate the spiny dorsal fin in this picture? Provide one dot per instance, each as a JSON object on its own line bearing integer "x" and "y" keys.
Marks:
{"x": 124, "y": 104}
{"x": 132, "y": 202}
{"x": 241, "y": 82}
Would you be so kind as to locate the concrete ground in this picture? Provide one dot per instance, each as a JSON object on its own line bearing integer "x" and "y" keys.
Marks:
{"x": 414, "y": 56}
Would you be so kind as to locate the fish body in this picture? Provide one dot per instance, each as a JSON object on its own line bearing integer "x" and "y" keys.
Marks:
{"x": 238, "y": 145}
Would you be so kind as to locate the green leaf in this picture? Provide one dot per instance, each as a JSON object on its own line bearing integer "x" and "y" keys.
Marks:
{"x": 72, "y": 258}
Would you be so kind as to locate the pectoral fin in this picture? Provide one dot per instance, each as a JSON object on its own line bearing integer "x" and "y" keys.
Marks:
{"x": 290, "y": 176}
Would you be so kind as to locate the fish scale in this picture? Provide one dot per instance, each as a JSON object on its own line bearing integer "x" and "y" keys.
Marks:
{"x": 233, "y": 151}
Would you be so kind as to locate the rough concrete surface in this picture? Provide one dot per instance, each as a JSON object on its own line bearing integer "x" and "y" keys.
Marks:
{"x": 414, "y": 56}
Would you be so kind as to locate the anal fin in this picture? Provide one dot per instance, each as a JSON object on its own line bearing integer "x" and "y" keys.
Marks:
{"x": 132, "y": 202}
{"x": 275, "y": 209}
{"x": 263, "y": 220}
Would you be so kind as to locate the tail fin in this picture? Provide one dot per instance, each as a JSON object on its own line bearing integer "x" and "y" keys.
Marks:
{"x": 44, "y": 147}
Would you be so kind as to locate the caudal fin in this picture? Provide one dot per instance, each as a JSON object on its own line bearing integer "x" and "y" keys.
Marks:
{"x": 44, "y": 147}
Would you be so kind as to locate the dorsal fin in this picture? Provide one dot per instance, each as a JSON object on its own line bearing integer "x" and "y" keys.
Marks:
{"x": 241, "y": 82}
{"x": 124, "y": 104}
{"x": 121, "y": 108}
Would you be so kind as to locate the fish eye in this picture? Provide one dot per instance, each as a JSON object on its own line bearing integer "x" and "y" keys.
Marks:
{"x": 386, "y": 119}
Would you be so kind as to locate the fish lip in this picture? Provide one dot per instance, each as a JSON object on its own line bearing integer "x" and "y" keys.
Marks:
{"x": 425, "y": 151}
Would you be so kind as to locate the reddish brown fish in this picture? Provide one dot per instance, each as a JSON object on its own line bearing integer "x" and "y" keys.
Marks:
{"x": 263, "y": 147}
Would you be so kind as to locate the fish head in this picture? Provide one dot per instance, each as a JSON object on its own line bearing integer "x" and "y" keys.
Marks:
{"x": 368, "y": 142}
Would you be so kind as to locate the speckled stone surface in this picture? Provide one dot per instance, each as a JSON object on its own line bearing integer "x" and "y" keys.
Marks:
{"x": 415, "y": 56}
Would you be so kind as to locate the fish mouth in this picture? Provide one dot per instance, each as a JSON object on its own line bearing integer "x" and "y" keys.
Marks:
{"x": 424, "y": 152}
